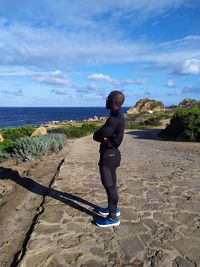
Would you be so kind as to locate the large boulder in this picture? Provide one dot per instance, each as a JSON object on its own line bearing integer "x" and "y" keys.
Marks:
{"x": 189, "y": 103}
{"x": 1, "y": 138}
{"x": 146, "y": 105}
{"x": 39, "y": 131}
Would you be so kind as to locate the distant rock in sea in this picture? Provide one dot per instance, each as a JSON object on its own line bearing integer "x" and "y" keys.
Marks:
{"x": 146, "y": 105}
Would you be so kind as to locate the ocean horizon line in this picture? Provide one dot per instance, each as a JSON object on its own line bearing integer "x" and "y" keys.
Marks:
{"x": 59, "y": 107}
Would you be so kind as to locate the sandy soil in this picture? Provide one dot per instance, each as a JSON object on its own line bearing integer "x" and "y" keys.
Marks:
{"x": 53, "y": 201}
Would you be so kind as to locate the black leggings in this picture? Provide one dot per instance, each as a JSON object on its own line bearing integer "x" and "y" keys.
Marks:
{"x": 108, "y": 178}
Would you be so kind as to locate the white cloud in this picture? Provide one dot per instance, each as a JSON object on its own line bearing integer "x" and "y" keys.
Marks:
{"x": 53, "y": 78}
{"x": 59, "y": 91}
{"x": 24, "y": 45}
{"x": 100, "y": 77}
{"x": 87, "y": 13}
{"x": 191, "y": 66}
{"x": 170, "y": 84}
{"x": 94, "y": 87}
{"x": 128, "y": 82}
{"x": 191, "y": 90}
{"x": 115, "y": 83}
{"x": 18, "y": 92}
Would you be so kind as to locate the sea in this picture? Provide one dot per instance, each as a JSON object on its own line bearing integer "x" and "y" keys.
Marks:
{"x": 12, "y": 117}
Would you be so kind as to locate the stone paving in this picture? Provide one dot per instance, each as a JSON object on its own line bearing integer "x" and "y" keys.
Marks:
{"x": 159, "y": 199}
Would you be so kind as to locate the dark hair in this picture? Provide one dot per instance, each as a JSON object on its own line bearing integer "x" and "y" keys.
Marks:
{"x": 117, "y": 98}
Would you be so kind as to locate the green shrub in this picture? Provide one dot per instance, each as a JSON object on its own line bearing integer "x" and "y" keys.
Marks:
{"x": 130, "y": 124}
{"x": 185, "y": 125}
{"x": 30, "y": 148}
{"x": 6, "y": 145}
{"x": 6, "y": 148}
{"x": 154, "y": 121}
{"x": 16, "y": 133}
{"x": 167, "y": 114}
{"x": 4, "y": 155}
{"x": 74, "y": 131}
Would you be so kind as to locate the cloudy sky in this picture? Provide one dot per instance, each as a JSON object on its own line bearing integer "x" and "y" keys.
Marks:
{"x": 73, "y": 53}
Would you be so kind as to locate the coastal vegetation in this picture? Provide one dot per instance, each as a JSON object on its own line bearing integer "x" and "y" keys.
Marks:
{"x": 146, "y": 120}
{"x": 10, "y": 136}
{"x": 185, "y": 125}
{"x": 16, "y": 133}
{"x": 30, "y": 148}
{"x": 76, "y": 131}
{"x": 18, "y": 142}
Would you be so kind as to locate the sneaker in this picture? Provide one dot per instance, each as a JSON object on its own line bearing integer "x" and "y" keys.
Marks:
{"x": 105, "y": 211}
{"x": 106, "y": 222}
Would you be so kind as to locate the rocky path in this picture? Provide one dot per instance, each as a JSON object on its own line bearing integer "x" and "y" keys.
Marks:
{"x": 159, "y": 190}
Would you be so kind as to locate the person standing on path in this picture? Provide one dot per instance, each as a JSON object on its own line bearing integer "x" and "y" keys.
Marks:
{"x": 110, "y": 135}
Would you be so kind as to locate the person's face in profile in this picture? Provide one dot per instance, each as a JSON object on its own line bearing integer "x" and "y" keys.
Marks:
{"x": 109, "y": 102}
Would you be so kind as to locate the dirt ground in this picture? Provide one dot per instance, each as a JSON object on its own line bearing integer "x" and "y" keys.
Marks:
{"x": 19, "y": 206}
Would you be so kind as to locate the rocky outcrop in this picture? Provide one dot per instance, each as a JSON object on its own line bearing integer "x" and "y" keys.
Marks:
{"x": 39, "y": 131}
{"x": 146, "y": 105}
{"x": 189, "y": 103}
{"x": 1, "y": 138}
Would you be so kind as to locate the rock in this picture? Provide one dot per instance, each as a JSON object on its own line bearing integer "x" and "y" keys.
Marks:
{"x": 5, "y": 187}
{"x": 1, "y": 138}
{"x": 137, "y": 263}
{"x": 181, "y": 262}
{"x": 130, "y": 247}
{"x": 158, "y": 259}
{"x": 189, "y": 247}
{"x": 128, "y": 228}
{"x": 189, "y": 103}
{"x": 92, "y": 263}
{"x": 146, "y": 105}
{"x": 39, "y": 131}
{"x": 189, "y": 206}
{"x": 150, "y": 223}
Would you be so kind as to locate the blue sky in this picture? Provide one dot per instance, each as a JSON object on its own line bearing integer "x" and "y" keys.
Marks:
{"x": 73, "y": 53}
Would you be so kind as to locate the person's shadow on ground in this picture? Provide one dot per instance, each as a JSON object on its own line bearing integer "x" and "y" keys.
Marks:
{"x": 35, "y": 187}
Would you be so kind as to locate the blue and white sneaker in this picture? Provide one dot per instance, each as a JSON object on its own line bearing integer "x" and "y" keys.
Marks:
{"x": 106, "y": 222}
{"x": 105, "y": 211}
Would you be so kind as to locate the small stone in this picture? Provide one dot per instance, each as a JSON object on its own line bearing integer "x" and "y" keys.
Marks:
{"x": 138, "y": 263}
{"x": 128, "y": 228}
{"x": 68, "y": 241}
{"x": 97, "y": 251}
{"x": 153, "y": 194}
{"x": 93, "y": 263}
{"x": 75, "y": 227}
{"x": 52, "y": 217}
{"x": 151, "y": 223}
{"x": 189, "y": 206}
{"x": 130, "y": 247}
{"x": 181, "y": 262}
{"x": 188, "y": 247}
{"x": 45, "y": 229}
{"x": 128, "y": 214}
{"x": 162, "y": 217}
